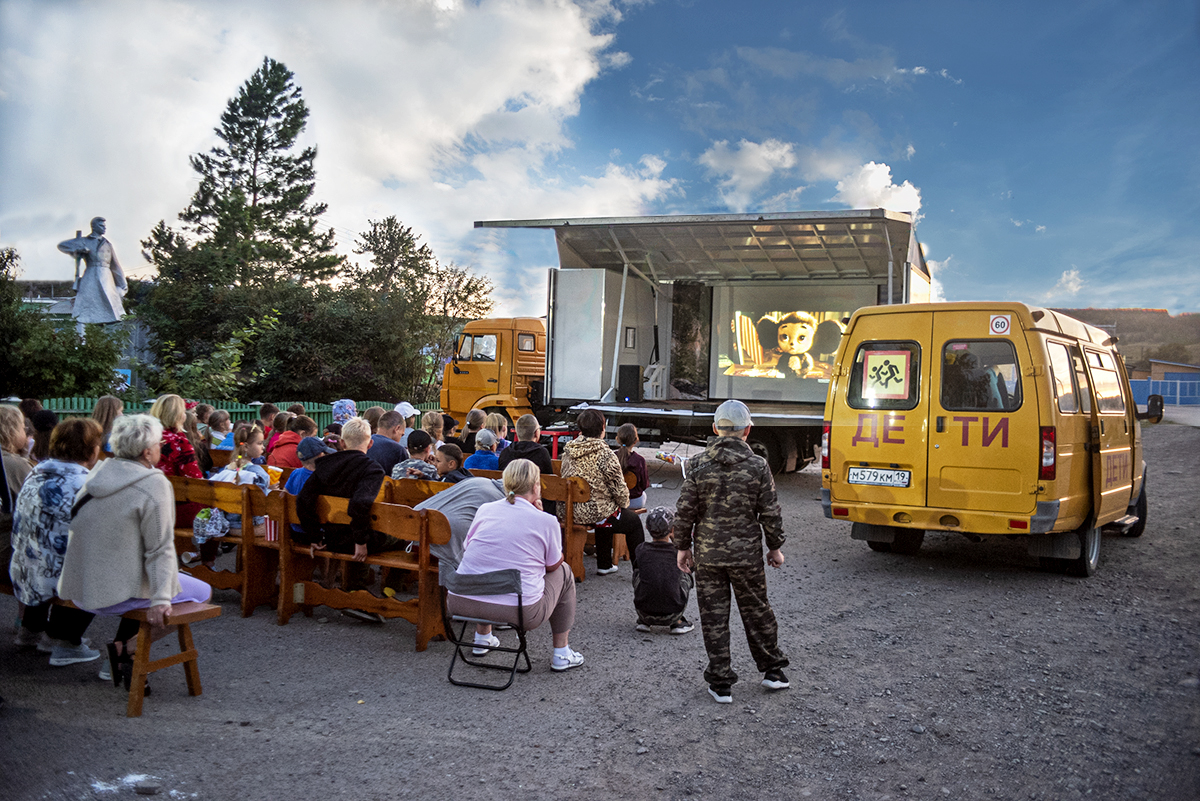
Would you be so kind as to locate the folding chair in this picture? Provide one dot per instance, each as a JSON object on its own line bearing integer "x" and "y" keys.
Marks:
{"x": 498, "y": 582}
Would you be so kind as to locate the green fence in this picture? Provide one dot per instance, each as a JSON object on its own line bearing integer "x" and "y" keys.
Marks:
{"x": 322, "y": 413}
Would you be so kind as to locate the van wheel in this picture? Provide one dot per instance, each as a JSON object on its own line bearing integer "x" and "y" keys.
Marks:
{"x": 881, "y": 547}
{"x": 1089, "y": 558}
{"x": 908, "y": 541}
{"x": 1139, "y": 509}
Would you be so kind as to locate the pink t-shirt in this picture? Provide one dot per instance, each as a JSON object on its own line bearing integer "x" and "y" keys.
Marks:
{"x": 506, "y": 535}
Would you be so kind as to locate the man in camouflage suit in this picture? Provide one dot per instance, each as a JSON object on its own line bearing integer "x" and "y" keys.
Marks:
{"x": 727, "y": 503}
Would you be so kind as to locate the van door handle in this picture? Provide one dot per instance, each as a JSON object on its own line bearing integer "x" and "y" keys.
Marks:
{"x": 493, "y": 381}
{"x": 1102, "y": 428}
{"x": 941, "y": 425}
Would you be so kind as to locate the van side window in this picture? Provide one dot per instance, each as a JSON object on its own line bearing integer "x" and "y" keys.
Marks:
{"x": 1108, "y": 383}
{"x": 885, "y": 375}
{"x": 485, "y": 348}
{"x": 525, "y": 343}
{"x": 1061, "y": 372}
{"x": 1081, "y": 381}
{"x": 980, "y": 374}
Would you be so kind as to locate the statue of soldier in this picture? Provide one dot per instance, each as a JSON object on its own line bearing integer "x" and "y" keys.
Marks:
{"x": 99, "y": 291}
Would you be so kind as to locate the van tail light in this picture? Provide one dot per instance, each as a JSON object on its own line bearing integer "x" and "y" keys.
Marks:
{"x": 1049, "y": 454}
{"x": 825, "y": 446}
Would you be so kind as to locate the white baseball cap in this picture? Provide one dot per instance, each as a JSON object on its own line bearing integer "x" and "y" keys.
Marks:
{"x": 406, "y": 409}
{"x": 733, "y": 415}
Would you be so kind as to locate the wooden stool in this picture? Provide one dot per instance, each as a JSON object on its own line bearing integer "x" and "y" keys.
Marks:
{"x": 182, "y": 615}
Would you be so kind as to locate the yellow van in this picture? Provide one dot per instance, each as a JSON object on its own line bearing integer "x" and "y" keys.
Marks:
{"x": 983, "y": 418}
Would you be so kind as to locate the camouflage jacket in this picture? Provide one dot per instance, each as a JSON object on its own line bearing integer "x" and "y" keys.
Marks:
{"x": 726, "y": 504}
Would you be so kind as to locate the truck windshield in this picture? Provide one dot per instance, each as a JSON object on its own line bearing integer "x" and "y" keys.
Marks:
{"x": 884, "y": 376}
{"x": 980, "y": 374}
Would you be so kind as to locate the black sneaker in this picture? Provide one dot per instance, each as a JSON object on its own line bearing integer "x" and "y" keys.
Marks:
{"x": 775, "y": 680}
{"x": 721, "y": 693}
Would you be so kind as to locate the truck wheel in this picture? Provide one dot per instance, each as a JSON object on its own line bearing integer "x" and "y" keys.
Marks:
{"x": 767, "y": 446}
{"x": 1139, "y": 509}
{"x": 1089, "y": 557}
{"x": 908, "y": 541}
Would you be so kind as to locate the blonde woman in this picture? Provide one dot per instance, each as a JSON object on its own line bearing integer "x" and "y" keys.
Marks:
{"x": 431, "y": 423}
{"x": 178, "y": 455}
{"x": 498, "y": 425}
{"x": 14, "y": 445}
{"x": 108, "y": 409}
{"x": 516, "y": 533}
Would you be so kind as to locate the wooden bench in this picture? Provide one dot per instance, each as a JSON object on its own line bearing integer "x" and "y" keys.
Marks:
{"x": 423, "y": 528}
{"x": 181, "y": 615}
{"x": 220, "y": 458}
{"x": 257, "y": 559}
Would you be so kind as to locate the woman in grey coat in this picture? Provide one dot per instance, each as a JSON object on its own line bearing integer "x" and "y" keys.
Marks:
{"x": 121, "y": 547}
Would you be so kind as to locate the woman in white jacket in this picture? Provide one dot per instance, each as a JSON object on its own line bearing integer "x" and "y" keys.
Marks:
{"x": 121, "y": 547}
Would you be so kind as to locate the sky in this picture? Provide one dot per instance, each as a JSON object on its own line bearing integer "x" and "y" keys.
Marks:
{"x": 1050, "y": 150}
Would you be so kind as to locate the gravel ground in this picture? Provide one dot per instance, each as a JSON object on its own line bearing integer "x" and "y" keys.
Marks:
{"x": 961, "y": 672}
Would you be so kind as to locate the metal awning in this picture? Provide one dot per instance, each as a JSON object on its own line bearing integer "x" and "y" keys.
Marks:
{"x": 734, "y": 247}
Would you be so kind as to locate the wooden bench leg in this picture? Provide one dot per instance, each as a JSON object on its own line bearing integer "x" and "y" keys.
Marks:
{"x": 137, "y": 681}
{"x": 191, "y": 667}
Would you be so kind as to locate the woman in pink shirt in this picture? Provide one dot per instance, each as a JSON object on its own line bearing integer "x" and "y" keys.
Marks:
{"x": 516, "y": 533}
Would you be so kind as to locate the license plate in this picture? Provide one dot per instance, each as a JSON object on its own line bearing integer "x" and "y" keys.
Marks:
{"x": 879, "y": 478}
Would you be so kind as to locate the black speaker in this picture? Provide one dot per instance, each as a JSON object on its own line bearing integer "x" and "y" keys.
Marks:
{"x": 629, "y": 383}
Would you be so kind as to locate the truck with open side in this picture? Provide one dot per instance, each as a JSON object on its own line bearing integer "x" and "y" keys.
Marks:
{"x": 657, "y": 320}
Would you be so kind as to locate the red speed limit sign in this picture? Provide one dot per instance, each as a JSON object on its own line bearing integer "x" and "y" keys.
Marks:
{"x": 1000, "y": 324}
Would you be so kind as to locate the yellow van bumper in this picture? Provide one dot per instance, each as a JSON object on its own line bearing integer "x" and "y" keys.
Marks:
{"x": 928, "y": 519}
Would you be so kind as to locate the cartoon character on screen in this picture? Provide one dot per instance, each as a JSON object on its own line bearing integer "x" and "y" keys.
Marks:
{"x": 786, "y": 342}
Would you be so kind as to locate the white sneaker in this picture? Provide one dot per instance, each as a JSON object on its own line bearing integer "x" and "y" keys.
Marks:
{"x": 571, "y": 660}
{"x": 45, "y": 645}
{"x": 64, "y": 654}
{"x": 484, "y": 644}
{"x": 106, "y": 671}
{"x": 604, "y": 571}
{"x": 642, "y": 627}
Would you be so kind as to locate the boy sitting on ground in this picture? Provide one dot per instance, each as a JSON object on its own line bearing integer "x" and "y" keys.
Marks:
{"x": 660, "y": 588}
{"x": 419, "y": 463}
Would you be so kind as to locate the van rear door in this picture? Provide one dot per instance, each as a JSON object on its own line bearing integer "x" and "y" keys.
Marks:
{"x": 984, "y": 438}
{"x": 877, "y": 428}
{"x": 1112, "y": 437}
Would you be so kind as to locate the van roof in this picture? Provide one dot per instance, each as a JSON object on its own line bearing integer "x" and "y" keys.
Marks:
{"x": 1031, "y": 317}
{"x": 506, "y": 324}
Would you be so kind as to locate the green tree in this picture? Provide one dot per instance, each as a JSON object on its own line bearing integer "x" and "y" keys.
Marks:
{"x": 254, "y": 200}
{"x": 1176, "y": 352}
{"x": 41, "y": 360}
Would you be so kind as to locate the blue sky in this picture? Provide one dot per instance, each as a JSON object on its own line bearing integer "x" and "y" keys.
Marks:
{"x": 1050, "y": 149}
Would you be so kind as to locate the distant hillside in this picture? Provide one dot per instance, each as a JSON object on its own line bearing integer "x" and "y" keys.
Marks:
{"x": 1142, "y": 333}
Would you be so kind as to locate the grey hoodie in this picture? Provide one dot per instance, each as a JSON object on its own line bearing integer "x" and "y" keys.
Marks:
{"x": 121, "y": 543}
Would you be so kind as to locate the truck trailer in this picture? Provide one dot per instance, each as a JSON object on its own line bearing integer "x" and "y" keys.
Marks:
{"x": 657, "y": 320}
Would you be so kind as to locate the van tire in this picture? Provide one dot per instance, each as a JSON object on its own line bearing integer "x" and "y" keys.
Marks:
{"x": 908, "y": 541}
{"x": 1089, "y": 557}
{"x": 880, "y": 547}
{"x": 1139, "y": 509}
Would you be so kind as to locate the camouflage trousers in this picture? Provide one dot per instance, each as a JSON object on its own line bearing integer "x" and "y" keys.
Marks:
{"x": 749, "y": 585}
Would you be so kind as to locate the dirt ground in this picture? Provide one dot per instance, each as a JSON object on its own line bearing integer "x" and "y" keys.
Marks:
{"x": 961, "y": 672}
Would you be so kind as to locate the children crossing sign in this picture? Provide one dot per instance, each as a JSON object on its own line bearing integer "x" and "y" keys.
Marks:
{"x": 885, "y": 374}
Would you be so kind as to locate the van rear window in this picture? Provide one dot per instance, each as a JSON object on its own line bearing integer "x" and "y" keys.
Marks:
{"x": 980, "y": 374}
{"x": 1060, "y": 371}
{"x": 885, "y": 376}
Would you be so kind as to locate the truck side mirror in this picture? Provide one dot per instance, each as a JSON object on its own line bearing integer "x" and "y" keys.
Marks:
{"x": 1154, "y": 409}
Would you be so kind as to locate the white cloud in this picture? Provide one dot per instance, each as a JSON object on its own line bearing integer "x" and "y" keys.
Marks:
{"x": 909, "y": 152}
{"x": 937, "y": 291}
{"x": 1017, "y": 223}
{"x": 1039, "y": 229}
{"x": 746, "y": 167}
{"x": 1069, "y": 283}
{"x": 438, "y": 111}
{"x": 871, "y": 187}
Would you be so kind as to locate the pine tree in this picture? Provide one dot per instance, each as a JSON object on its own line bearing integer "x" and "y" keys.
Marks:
{"x": 254, "y": 202}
